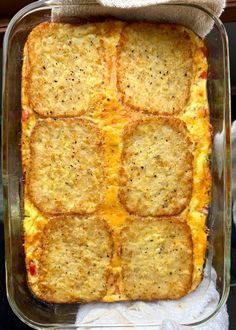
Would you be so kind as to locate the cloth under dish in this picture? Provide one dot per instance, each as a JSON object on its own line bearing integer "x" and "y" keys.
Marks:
{"x": 191, "y": 308}
{"x": 197, "y": 21}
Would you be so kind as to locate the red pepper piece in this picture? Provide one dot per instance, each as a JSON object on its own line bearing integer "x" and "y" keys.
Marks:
{"x": 203, "y": 75}
{"x": 24, "y": 115}
{"x": 32, "y": 268}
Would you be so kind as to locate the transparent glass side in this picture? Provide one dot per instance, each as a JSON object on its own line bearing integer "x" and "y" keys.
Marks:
{"x": 218, "y": 96}
{"x": 33, "y": 312}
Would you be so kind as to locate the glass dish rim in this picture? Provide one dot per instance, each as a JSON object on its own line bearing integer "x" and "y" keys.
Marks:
{"x": 49, "y": 4}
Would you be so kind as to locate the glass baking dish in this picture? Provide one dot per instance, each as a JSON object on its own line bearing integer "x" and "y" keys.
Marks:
{"x": 28, "y": 309}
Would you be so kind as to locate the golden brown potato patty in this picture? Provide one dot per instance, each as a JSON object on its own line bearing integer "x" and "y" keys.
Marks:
{"x": 157, "y": 169}
{"x": 156, "y": 76}
{"x": 66, "y": 167}
{"x": 65, "y": 68}
{"x": 156, "y": 258}
{"x": 74, "y": 260}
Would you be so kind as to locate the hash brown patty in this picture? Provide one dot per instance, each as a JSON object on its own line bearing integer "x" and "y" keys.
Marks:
{"x": 74, "y": 260}
{"x": 156, "y": 258}
{"x": 156, "y": 76}
{"x": 156, "y": 172}
{"x": 65, "y": 69}
{"x": 66, "y": 166}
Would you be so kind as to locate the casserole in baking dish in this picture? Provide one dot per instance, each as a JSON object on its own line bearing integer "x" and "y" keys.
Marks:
{"x": 64, "y": 316}
{"x": 115, "y": 123}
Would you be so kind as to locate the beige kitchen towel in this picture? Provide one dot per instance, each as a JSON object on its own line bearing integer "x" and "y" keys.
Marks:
{"x": 169, "y": 314}
{"x": 187, "y": 13}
